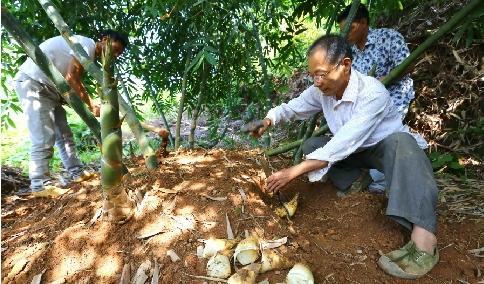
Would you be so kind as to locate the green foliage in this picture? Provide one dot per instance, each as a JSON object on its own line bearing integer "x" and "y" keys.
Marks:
{"x": 233, "y": 39}
{"x": 442, "y": 161}
{"x": 10, "y": 105}
{"x": 85, "y": 140}
{"x": 471, "y": 30}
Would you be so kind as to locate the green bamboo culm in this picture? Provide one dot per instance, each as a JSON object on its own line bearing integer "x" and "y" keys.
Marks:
{"x": 351, "y": 15}
{"x": 96, "y": 72}
{"x": 307, "y": 135}
{"x": 292, "y": 145}
{"x": 151, "y": 161}
{"x": 182, "y": 101}
{"x": 112, "y": 148}
{"x": 447, "y": 27}
{"x": 159, "y": 109}
{"x": 265, "y": 72}
{"x": 45, "y": 64}
{"x": 300, "y": 135}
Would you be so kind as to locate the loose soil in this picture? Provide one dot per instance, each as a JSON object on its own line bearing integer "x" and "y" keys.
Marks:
{"x": 339, "y": 238}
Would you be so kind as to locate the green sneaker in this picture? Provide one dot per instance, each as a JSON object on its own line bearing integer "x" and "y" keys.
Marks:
{"x": 408, "y": 262}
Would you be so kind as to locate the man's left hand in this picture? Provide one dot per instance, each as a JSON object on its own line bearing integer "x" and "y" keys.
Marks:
{"x": 279, "y": 179}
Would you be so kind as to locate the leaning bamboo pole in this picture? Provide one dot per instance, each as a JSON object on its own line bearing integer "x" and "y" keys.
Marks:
{"x": 292, "y": 145}
{"x": 351, "y": 15}
{"x": 96, "y": 72}
{"x": 117, "y": 204}
{"x": 182, "y": 100}
{"x": 45, "y": 64}
{"x": 447, "y": 27}
{"x": 149, "y": 155}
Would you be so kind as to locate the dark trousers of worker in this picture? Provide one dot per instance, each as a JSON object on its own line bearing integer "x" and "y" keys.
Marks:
{"x": 412, "y": 191}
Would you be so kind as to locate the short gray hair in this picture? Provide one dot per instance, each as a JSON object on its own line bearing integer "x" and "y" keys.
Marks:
{"x": 336, "y": 48}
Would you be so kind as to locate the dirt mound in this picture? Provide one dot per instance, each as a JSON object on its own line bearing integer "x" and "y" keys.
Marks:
{"x": 187, "y": 199}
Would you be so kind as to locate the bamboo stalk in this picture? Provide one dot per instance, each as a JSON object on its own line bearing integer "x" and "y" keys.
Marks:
{"x": 309, "y": 132}
{"x": 196, "y": 111}
{"x": 94, "y": 70}
{"x": 149, "y": 155}
{"x": 351, "y": 15}
{"x": 289, "y": 146}
{"x": 117, "y": 204}
{"x": 159, "y": 109}
{"x": 45, "y": 64}
{"x": 112, "y": 149}
{"x": 447, "y": 27}
{"x": 182, "y": 100}
{"x": 300, "y": 135}
{"x": 262, "y": 62}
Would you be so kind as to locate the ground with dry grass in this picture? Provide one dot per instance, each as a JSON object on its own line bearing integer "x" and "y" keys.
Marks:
{"x": 188, "y": 199}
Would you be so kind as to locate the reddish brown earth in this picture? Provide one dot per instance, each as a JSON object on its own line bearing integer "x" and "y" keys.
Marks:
{"x": 339, "y": 239}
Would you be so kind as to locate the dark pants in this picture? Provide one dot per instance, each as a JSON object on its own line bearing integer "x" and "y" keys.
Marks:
{"x": 412, "y": 196}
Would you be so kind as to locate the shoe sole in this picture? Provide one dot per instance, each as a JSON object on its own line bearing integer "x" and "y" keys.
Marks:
{"x": 50, "y": 191}
{"x": 387, "y": 265}
{"x": 83, "y": 178}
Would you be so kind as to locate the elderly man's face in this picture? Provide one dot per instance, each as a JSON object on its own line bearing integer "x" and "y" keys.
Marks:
{"x": 331, "y": 79}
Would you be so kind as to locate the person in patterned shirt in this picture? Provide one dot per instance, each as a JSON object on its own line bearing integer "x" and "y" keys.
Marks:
{"x": 379, "y": 51}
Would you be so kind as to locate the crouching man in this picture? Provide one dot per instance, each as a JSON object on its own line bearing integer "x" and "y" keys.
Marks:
{"x": 368, "y": 133}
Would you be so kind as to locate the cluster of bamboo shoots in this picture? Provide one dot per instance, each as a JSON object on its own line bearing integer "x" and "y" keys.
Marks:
{"x": 247, "y": 252}
{"x": 287, "y": 209}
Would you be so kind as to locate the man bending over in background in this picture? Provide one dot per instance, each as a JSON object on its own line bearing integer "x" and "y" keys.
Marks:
{"x": 42, "y": 106}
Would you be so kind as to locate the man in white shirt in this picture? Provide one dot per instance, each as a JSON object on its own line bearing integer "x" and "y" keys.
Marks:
{"x": 368, "y": 133}
{"x": 42, "y": 106}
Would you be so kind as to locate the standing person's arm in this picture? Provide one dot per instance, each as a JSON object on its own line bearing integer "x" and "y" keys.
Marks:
{"x": 73, "y": 77}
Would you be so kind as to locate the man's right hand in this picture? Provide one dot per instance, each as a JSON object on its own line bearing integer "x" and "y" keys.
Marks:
{"x": 96, "y": 110}
{"x": 259, "y": 131}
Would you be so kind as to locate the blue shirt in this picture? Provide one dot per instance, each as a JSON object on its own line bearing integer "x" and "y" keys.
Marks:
{"x": 386, "y": 48}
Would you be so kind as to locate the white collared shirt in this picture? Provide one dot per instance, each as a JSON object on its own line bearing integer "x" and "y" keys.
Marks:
{"x": 364, "y": 116}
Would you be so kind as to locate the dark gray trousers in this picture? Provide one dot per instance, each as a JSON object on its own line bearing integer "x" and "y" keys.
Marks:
{"x": 412, "y": 196}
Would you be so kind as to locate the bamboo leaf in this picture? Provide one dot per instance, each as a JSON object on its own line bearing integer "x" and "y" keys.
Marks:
{"x": 196, "y": 61}
{"x": 211, "y": 59}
